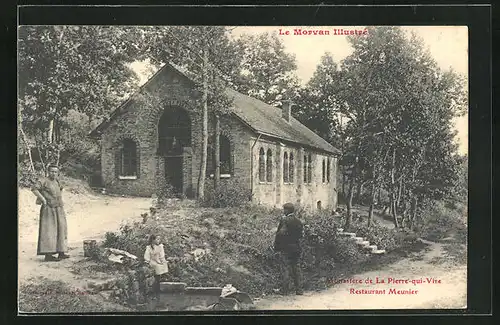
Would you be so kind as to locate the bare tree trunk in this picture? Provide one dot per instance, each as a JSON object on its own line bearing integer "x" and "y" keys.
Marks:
{"x": 350, "y": 195}
{"x": 372, "y": 201}
{"x": 217, "y": 152}
{"x": 58, "y": 156}
{"x": 400, "y": 192}
{"x": 394, "y": 211}
{"x": 44, "y": 169}
{"x": 343, "y": 182}
{"x": 413, "y": 212}
{"x": 203, "y": 165}
{"x": 343, "y": 152}
{"x": 359, "y": 189}
{"x": 28, "y": 148}
{"x": 50, "y": 131}
{"x": 393, "y": 189}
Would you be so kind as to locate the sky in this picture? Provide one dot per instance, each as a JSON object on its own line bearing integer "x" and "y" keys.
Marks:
{"x": 448, "y": 46}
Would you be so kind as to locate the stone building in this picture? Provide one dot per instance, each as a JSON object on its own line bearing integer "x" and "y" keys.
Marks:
{"x": 156, "y": 136}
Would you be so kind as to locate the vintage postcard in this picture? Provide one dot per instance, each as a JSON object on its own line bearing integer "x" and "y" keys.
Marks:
{"x": 182, "y": 168}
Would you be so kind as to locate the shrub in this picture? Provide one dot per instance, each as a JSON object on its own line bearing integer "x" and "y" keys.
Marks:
{"x": 164, "y": 190}
{"x": 441, "y": 219}
{"x": 26, "y": 177}
{"x": 320, "y": 233}
{"x": 132, "y": 238}
{"x": 231, "y": 193}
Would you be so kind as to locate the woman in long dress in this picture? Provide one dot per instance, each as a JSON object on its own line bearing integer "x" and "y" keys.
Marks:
{"x": 155, "y": 257}
{"x": 53, "y": 230}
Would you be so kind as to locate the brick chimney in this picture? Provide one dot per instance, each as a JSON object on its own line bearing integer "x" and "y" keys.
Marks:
{"x": 286, "y": 110}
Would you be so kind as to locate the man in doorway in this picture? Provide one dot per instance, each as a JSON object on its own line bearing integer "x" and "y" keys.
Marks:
{"x": 53, "y": 230}
{"x": 287, "y": 243}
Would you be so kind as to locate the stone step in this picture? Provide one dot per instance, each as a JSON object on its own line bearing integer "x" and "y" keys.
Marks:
{"x": 372, "y": 247}
{"x": 348, "y": 234}
{"x": 378, "y": 251}
{"x": 358, "y": 239}
{"x": 363, "y": 243}
{"x": 204, "y": 290}
{"x": 172, "y": 286}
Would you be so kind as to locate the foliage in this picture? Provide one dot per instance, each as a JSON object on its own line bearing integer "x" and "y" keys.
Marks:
{"x": 164, "y": 190}
{"x": 230, "y": 193}
{"x": 42, "y": 295}
{"x": 266, "y": 72}
{"x": 132, "y": 238}
{"x": 441, "y": 219}
{"x": 317, "y": 103}
{"x": 387, "y": 105}
{"x": 62, "y": 70}
{"x": 238, "y": 242}
{"x": 397, "y": 108}
{"x": 321, "y": 233}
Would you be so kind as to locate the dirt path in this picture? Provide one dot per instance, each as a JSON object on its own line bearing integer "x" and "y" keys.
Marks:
{"x": 435, "y": 263}
{"x": 88, "y": 217}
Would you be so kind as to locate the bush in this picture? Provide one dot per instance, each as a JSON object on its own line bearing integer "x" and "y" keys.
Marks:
{"x": 441, "y": 219}
{"x": 26, "y": 177}
{"x": 320, "y": 233}
{"x": 164, "y": 190}
{"x": 132, "y": 238}
{"x": 381, "y": 236}
{"x": 231, "y": 193}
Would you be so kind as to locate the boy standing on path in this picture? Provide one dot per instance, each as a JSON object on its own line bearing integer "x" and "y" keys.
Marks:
{"x": 287, "y": 242}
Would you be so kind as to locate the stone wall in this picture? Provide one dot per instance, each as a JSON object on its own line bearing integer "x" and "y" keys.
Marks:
{"x": 139, "y": 122}
{"x": 306, "y": 195}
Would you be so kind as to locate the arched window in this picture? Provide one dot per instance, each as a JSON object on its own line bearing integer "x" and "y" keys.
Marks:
{"x": 262, "y": 165}
{"x": 309, "y": 169}
{"x": 127, "y": 159}
{"x": 269, "y": 166}
{"x": 174, "y": 131}
{"x": 226, "y": 164}
{"x": 305, "y": 169}
{"x": 285, "y": 168}
{"x": 291, "y": 169}
{"x": 324, "y": 171}
{"x": 225, "y": 157}
{"x": 328, "y": 171}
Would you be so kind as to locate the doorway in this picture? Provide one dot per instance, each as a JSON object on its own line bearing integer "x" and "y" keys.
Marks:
{"x": 173, "y": 173}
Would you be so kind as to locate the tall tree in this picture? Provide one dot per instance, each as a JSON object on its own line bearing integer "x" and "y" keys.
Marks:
{"x": 317, "y": 103}
{"x": 65, "y": 67}
{"x": 267, "y": 71}
{"x": 396, "y": 98}
{"x": 200, "y": 51}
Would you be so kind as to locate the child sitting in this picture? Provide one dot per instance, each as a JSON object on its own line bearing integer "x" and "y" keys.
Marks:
{"x": 155, "y": 257}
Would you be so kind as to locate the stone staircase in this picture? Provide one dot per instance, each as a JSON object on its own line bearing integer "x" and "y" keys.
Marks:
{"x": 364, "y": 244}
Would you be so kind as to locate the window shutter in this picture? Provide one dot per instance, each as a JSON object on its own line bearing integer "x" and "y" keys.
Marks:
{"x": 138, "y": 160}
{"x": 118, "y": 161}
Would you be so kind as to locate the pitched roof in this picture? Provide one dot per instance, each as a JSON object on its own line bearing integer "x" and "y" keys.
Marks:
{"x": 262, "y": 118}
{"x": 268, "y": 120}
